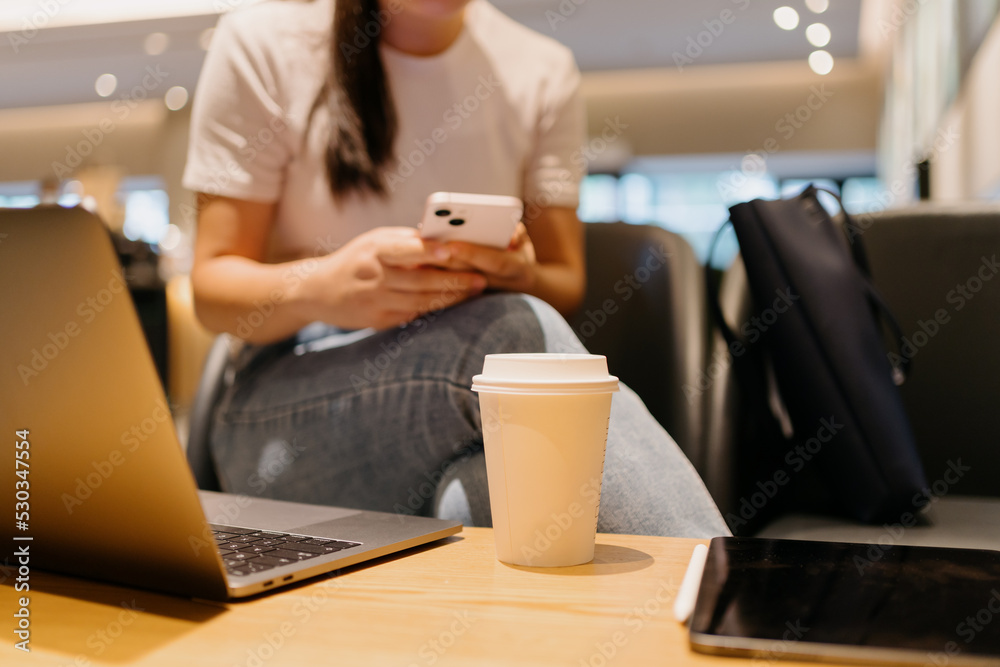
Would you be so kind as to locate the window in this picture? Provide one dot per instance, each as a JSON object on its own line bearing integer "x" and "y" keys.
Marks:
{"x": 23, "y": 194}
{"x": 695, "y": 204}
{"x": 147, "y": 213}
{"x": 144, "y": 199}
{"x": 599, "y": 198}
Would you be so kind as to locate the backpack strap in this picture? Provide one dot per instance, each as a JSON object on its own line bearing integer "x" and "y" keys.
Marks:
{"x": 712, "y": 286}
{"x": 901, "y": 365}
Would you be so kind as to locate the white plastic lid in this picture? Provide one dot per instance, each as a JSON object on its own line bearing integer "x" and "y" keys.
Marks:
{"x": 545, "y": 373}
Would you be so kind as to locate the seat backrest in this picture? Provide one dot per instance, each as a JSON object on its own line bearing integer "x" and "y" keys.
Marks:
{"x": 216, "y": 375}
{"x": 644, "y": 309}
{"x": 938, "y": 267}
{"x": 727, "y": 436}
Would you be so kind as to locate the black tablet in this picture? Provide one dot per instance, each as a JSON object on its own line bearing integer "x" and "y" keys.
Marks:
{"x": 832, "y": 601}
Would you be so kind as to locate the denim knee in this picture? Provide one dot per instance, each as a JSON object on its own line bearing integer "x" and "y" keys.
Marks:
{"x": 493, "y": 324}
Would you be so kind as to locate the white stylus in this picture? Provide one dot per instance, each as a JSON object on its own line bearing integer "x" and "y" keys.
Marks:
{"x": 688, "y": 593}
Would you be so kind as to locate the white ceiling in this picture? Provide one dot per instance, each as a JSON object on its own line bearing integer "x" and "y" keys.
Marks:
{"x": 85, "y": 12}
{"x": 59, "y": 65}
{"x": 624, "y": 34}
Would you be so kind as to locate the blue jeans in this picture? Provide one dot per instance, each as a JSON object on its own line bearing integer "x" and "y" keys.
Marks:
{"x": 376, "y": 420}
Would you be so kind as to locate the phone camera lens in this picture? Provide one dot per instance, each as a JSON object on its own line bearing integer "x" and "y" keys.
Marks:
{"x": 441, "y": 212}
{"x": 456, "y": 222}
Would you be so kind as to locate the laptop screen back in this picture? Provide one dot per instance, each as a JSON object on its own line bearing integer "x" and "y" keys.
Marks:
{"x": 110, "y": 489}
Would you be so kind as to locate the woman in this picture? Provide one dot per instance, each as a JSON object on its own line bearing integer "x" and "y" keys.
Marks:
{"x": 313, "y": 150}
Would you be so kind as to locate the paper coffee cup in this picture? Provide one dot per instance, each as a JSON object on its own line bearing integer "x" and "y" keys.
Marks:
{"x": 545, "y": 428}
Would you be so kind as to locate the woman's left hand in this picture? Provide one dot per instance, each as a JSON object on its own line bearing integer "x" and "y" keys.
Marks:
{"x": 513, "y": 269}
{"x": 549, "y": 264}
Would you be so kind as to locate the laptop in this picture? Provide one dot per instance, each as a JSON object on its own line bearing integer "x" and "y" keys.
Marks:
{"x": 102, "y": 485}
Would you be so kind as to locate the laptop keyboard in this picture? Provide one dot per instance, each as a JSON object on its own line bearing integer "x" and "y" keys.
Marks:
{"x": 246, "y": 551}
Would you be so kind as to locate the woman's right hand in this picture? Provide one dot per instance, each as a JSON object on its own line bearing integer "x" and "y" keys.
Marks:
{"x": 383, "y": 278}
{"x": 379, "y": 279}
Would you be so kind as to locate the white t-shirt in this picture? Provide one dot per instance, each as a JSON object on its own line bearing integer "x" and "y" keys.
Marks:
{"x": 498, "y": 112}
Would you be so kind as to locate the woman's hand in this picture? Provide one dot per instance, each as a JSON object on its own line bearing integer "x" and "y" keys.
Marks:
{"x": 548, "y": 264}
{"x": 513, "y": 269}
{"x": 379, "y": 279}
{"x": 382, "y": 278}
{"x": 386, "y": 277}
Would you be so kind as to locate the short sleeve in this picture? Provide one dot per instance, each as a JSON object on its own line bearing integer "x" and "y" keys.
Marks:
{"x": 239, "y": 144}
{"x": 556, "y": 165}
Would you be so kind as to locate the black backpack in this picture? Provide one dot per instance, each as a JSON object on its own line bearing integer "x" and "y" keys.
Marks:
{"x": 839, "y": 439}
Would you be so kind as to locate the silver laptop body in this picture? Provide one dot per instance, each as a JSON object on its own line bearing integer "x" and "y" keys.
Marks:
{"x": 105, "y": 486}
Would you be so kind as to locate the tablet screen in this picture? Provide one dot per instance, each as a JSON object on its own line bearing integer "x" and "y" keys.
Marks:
{"x": 829, "y": 600}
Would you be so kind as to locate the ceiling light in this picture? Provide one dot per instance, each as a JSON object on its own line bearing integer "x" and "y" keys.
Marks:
{"x": 171, "y": 237}
{"x": 106, "y": 84}
{"x": 205, "y": 39}
{"x": 156, "y": 43}
{"x": 176, "y": 98}
{"x": 821, "y": 62}
{"x": 786, "y": 18}
{"x": 818, "y": 34}
{"x": 818, "y": 6}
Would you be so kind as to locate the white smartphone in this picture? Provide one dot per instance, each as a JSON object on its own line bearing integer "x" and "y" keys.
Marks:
{"x": 484, "y": 219}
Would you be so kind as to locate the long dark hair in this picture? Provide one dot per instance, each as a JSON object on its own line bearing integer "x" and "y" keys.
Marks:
{"x": 363, "y": 121}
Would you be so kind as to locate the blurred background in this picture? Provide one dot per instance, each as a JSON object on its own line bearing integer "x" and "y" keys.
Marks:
{"x": 701, "y": 105}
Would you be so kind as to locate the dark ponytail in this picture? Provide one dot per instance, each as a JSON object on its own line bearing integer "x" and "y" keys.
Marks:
{"x": 362, "y": 114}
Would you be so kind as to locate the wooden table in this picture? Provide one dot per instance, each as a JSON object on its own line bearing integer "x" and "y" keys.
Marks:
{"x": 451, "y": 603}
